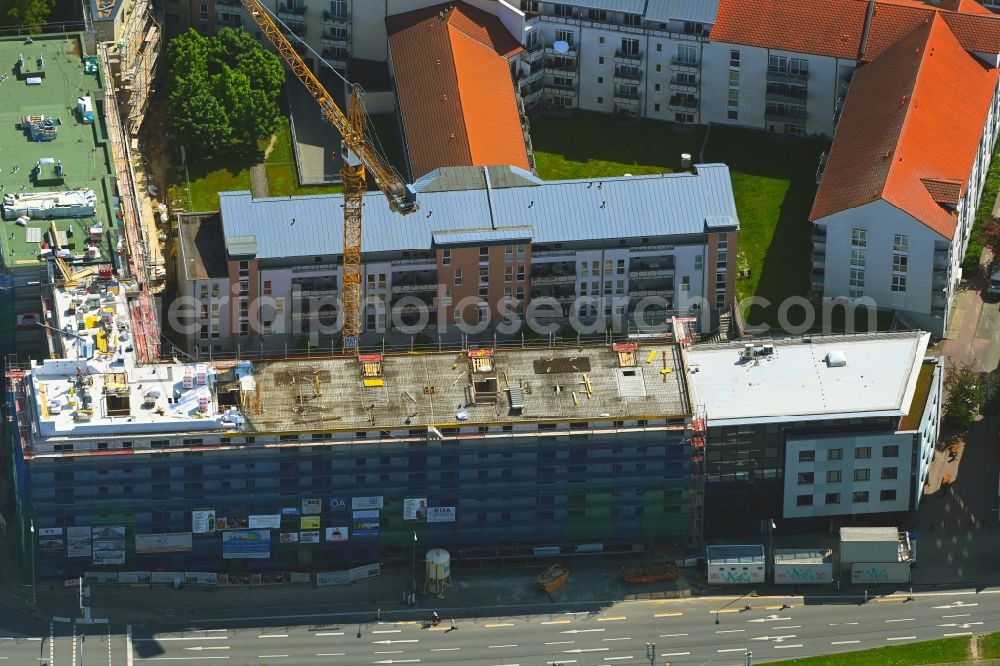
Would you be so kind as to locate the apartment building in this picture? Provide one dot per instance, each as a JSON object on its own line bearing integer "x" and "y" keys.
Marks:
{"x": 903, "y": 180}
{"x": 816, "y": 431}
{"x": 486, "y": 241}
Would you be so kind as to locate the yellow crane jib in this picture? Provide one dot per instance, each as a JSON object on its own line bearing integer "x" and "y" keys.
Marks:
{"x": 360, "y": 158}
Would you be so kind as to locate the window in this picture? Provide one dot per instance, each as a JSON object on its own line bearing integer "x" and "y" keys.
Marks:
{"x": 833, "y": 476}
{"x": 863, "y": 474}
{"x": 600, "y": 100}
{"x": 832, "y": 498}
{"x": 508, "y": 274}
{"x": 699, "y": 262}
{"x": 900, "y": 242}
{"x": 889, "y": 473}
{"x": 484, "y": 253}
{"x": 899, "y": 283}
{"x": 687, "y": 54}
{"x": 600, "y": 61}
{"x": 656, "y": 107}
{"x": 445, "y": 257}
{"x": 859, "y": 237}
{"x": 887, "y": 495}
{"x": 733, "y": 114}
{"x": 565, "y": 35}
{"x": 659, "y": 47}
{"x": 890, "y": 451}
{"x": 685, "y": 283}
{"x": 858, "y": 257}
{"x": 630, "y": 47}
{"x": 484, "y": 275}
{"x": 734, "y": 78}
{"x": 458, "y": 277}
{"x": 520, "y": 274}
{"x": 807, "y": 456}
{"x": 857, "y": 278}
{"x": 734, "y": 98}
{"x": 597, "y": 15}
{"x": 805, "y": 478}
{"x": 266, "y": 288}
{"x": 835, "y": 454}
{"x": 860, "y": 496}
{"x": 863, "y": 452}
{"x": 899, "y": 262}
{"x": 734, "y": 58}
{"x": 804, "y": 500}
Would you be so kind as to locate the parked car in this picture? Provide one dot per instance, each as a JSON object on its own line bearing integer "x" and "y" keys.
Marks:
{"x": 993, "y": 290}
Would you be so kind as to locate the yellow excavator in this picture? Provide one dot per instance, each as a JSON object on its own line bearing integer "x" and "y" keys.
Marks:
{"x": 358, "y": 154}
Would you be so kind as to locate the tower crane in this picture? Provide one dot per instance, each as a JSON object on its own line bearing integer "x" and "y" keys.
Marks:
{"x": 358, "y": 154}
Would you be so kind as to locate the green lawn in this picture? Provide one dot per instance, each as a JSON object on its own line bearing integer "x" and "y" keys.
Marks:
{"x": 590, "y": 145}
{"x": 970, "y": 264}
{"x": 944, "y": 651}
{"x": 221, "y": 175}
{"x": 989, "y": 646}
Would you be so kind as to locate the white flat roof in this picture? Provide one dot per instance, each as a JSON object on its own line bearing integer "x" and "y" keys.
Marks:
{"x": 96, "y": 388}
{"x": 796, "y": 382}
{"x": 869, "y": 534}
{"x": 803, "y": 556}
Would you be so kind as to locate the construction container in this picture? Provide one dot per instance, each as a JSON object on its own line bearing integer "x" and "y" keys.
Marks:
{"x": 873, "y": 544}
{"x": 735, "y": 565}
{"x": 880, "y": 572}
{"x": 803, "y": 567}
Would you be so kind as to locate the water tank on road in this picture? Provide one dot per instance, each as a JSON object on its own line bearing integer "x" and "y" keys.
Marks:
{"x": 438, "y": 571}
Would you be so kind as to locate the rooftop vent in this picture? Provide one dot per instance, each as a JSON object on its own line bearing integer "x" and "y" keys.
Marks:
{"x": 836, "y": 359}
{"x": 516, "y": 396}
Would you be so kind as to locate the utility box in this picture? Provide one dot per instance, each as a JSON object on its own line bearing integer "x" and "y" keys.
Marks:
{"x": 880, "y": 572}
{"x": 735, "y": 565}
{"x": 873, "y": 544}
{"x": 803, "y": 567}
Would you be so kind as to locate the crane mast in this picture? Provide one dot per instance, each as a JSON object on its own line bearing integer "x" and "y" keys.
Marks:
{"x": 360, "y": 158}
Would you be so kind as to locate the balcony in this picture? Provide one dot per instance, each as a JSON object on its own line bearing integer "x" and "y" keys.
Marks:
{"x": 414, "y": 262}
{"x": 627, "y": 58}
{"x": 534, "y": 53}
{"x": 296, "y": 28}
{"x": 228, "y": 3}
{"x": 683, "y": 103}
{"x": 796, "y": 115}
{"x": 291, "y": 13}
{"x": 533, "y": 75}
{"x": 627, "y": 97}
{"x": 334, "y": 21}
{"x": 683, "y": 65}
{"x": 531, "y": 96}
{"x": 941, "y": 260}
{"x": 786, "y": 76}
{"x": 560, "y": 89}
{"x": 336, "y": 57}
{"x": 818, "y": 236}
{"x": 571, "y": 53}
{"x": 786, "y": 97}
{"x": 336, "y": 40}
{"x": 628, "y": 75}
{"x": 683, "y": 85}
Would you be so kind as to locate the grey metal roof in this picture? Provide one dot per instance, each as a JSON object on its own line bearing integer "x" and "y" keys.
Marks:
{"x": 626, "y": 6}
{"x": 464, "y": 178}
{"x": 557, "y": 211}
{"x": 696, "y": 11}
{"x": 482, "y": 236}
{"x": 241, "y": 245}
{"x": 735, "y": 554}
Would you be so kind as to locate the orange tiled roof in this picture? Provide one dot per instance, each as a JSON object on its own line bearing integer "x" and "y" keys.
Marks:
{"x": 910, "y": 129}
{"x": 455, "y": 92}
{"x": 834, "y": 27}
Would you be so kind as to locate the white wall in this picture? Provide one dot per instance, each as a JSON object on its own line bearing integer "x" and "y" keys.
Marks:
{"x": 928, "y": 432}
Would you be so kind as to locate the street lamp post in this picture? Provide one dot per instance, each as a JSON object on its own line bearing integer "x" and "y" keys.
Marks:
{"x": 651, "y": 653}
{"x": 413, "y": 570}
{"x": 34, "y": 587}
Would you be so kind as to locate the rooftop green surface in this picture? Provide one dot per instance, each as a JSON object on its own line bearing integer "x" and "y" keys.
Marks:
{"x": 81, "y": 147}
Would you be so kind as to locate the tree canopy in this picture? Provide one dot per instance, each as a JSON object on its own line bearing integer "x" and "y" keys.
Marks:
{"x": 24, "y": 13}
{"x": 222, "y": 92}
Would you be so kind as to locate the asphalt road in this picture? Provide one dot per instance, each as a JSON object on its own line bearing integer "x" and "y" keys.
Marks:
{"x": 683, "y": 631}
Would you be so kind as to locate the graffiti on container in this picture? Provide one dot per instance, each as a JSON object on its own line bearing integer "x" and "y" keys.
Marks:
{"x": 804, "y": 575}
{"x": 874, "y": 574}
{"x": 736, "y": 577}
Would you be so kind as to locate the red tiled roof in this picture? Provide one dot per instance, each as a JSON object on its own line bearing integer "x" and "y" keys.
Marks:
{"x": 455, "y": 91}
{"x": 910, "y": 129}
{"x": 834, "y": 27}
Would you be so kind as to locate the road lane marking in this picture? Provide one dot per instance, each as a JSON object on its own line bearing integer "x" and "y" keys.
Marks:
{"x": 955, "y": 604}
{"x": 273, "y": 636}
{"x": 208, "y": 647}
{"x": 732, "y": 650}
{"x": 837, "y": 624}
{"x": 179, "y": 658}
{"x": 673, "y": 614}
{"x": 388, "y": 652}
{"x": 329, "y": 633}
{"x": 791, "y": 626}
{"x": 397, "y": 661}
{"x": 903, "y": 619}
{"x": 580, "y": 631}
{"x": 844, "y": 642}
{"x": 729, "y": 631}
{"x": 181, "y": 638}
{"x": 627, "y": 638}
{"x": 943, "y": 616}
{"x": 507, "y": 665}
{"x": 778, "y": 607}
{"x": 672, "y": 635}
{"x": 128, "y": 645}
{"x": 271, "y": 656}
{"x": 675, "y": 654}
{"x": 561, "y": 662}
{"x": 617, "y": 618}
{"x": 502, "y": 646}
{"x": 556, "y": 622}
{"x": 439, "y": 629}
{"x": 784, "y": 647}
{"x": 402, "y": 640}
{"x": 900, "y": 638}
{"x": 618, "y": 658}
{"x": 499, "y": 624}
{"x": 330, "y": 654}
{"x": 582, "y": 650}
{"x": 725, "y": 610}
{"x": 445, "y": 649}
{"x": 958, "y": 633}
{"x": 391, "y": 631}
{"x": 560, "y": 643}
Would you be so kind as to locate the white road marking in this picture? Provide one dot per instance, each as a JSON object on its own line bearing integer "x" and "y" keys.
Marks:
{"x": 838, "y": 624}
{"x": 581, "y": 650}
{"x": 271, "y": 656}
{"x": 556, "y": 622}
{"x": 627, "y": 638}
{"x": 329, "y": 633}
{"x": 674, "y": 614}
{"x": 178, "y": 658}
{"x": 844, "y": 642}
{"x": 675, "y": 654}
{"x": 769, "y": 618}
{"x": 330, "y": 654}
{"x": 956, "y": 604}
{"x": 273, "y": 636}
{"x": 560, "y": 642}
{"x": 957, "y": 615}
{"x": 499, "y": 624}
{"x": 128, "y": 644}
{"x": 445, "y": 649}
{"x": 732, "y": 650}
{"x": 402, "y": 640}
{"x": 391, "y": 631}
{"x": 900, "y": 638}
{"x": 903, "y": 619}
{"x": 617, "y": 618}
{"x": 791, "y": 626}
{"x": 672, "y": 635}
{"x": 783, "y": 647}
{"x": 729, "y": 631}
{"x": 580, "y": 631}
{"x": 397, "y": 661}
{"x": 183, "y": 638}
{"x": 389, "y": 652}
{"x": 618, "y": 658}
{"x": 960, "y": 625}
{"x": 52, "y": 643}
{"x": 209, "y": 647}
{"x": 502, "y": 646}
{"x": 958, "y": 633}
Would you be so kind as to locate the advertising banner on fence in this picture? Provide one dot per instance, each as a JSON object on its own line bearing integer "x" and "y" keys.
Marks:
{"x": 203, "y": 521}
{"x": 415, "y": 509}
{"x": 311, "y": 507}
{"x": 440, "y": 514}
{"x": 337, "y": 504}
{"x": 290, "y": 511}
{"x": 249, "y": 544}
{"x": 309, "y": 522}
{"x": 171, "y": 542}
{"x": 362, "y": 503}
{"x": 232, "y": 523}
{"x": 108, "y": 544}
{"x": 78, "y": 542}
{"x": 50, "y": 544}
{"x": 288, "y": 537}
{"x": 311, "y": 536}
{"x": 49, "y": 531}
{"x": 336, "y": 533}
{"x": 199, "y": 578}
{"x": 265, "y": 522}
{"x": 366, "y": 523}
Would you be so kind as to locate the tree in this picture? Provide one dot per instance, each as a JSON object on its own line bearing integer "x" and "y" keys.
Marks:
{"x": 989, "y": 234}
{"x": 25, "y": 13}
{"x": 222, "y": 92}
{"x": 965, "y": 395}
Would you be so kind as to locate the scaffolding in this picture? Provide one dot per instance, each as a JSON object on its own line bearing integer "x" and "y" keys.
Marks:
{"x": 698, "y": 436}
{"x": 141, "y": 309}
{"x": 133, "y": 63}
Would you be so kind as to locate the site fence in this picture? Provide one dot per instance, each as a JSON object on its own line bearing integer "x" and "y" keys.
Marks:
{"x": 178, "y": 578}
